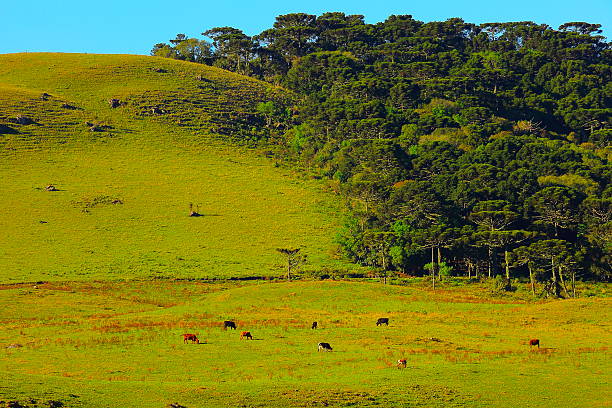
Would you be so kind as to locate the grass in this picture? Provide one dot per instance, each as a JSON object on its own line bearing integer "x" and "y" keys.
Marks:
{"x": 120, "y": 343}
{"x": 152, "y": 168}
{"x": 99, "y": 280}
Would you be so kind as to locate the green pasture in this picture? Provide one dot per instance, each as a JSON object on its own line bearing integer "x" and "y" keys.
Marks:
{"x": 249, "y": 209}
{"x": 124, "y": 194}
{"x": 99, "y": 280}
{"x": 101, "y": 344}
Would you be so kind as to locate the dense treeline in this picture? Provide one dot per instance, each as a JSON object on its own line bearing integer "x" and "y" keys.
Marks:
{"x": 461, "y": 148}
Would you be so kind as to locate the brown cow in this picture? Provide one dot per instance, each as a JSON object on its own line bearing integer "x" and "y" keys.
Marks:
{"x": 401, "y": 363}
{"x": 190, "y": 337}
{"x": 534, "y": 342}
{"x": 246, "y": 334}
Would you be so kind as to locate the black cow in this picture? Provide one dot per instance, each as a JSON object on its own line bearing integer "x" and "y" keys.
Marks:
{"x": 382, "y": 320}
{"x": 229, "y": 324}
{"x": 324, "y": 347}
{"x": 314, "y": 325}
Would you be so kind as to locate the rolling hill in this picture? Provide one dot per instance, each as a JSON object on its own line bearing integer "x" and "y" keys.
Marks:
{"x": 102, "y": 274}
{"x": 126, "y": 175}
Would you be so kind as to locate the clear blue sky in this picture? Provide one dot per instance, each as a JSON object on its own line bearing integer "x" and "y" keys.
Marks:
{"x": 134, "y": 26}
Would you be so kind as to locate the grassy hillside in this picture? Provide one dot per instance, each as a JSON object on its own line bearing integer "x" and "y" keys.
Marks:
{"x": 108, "y": 344}
{"x": 152, "y": 166}
{"x": 192, "y": 96}
{"x": 103, "y": 331}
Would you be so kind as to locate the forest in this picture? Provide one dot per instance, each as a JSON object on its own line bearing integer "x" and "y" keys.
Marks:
{"x": 461, "y": 149}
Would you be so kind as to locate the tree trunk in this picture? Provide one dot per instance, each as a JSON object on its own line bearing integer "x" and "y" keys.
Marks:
{"x": 439, "y": 263}
{"x": 433, "y": 269}
{"x": 531, "y": 279}
{"x": 563, "y": 280}
{"x": 556, "y": 288}
{"x": 490, "y": 253}
{"x": 507, "y": 261}
{"x": 574, "y": 284}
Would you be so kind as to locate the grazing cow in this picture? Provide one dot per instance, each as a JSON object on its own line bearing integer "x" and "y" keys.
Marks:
{"x": 401, "y": 363}
{"x": 247, "y": 335}
{"x": 382, "y": 320}
{"x": 190, "y": 337}
{"x": 324, "y": 347}
{"x": 314, "y": 325}
{"x": 229, "y": 324}
{"x": 534, "y": 342}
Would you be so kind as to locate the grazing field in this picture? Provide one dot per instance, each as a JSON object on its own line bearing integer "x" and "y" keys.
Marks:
{"x": 122, "y": 205}
{"x": 249, "y": 208}
{"x": 101, "y": 344}
{"x": 100, "y": 278}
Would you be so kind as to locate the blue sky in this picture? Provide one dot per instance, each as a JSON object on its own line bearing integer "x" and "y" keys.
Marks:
{"x": 134, "y": 26}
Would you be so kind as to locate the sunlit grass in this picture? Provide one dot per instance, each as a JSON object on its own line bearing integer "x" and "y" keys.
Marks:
{"x": 99, "y": 280}
{"x": 124, "y": 194}
{"x": 454, "y": 350}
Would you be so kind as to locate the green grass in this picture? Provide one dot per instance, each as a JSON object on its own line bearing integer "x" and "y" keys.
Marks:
{"x": 114, "y": 344}
{"x": 121, "y": 281}
{"x": 155, "y": 167}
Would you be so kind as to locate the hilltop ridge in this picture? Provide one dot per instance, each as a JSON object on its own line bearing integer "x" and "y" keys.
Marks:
{"x": 191, "y": 96}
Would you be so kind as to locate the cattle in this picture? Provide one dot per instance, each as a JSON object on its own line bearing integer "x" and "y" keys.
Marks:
{"x": 401, "y": 363}
{"x": 314, "y": 325}
{"x": 246, "y": 334}
{"x": 534, "y": 342}
{"x": 382, "y": 320}
{"x": 190, "y": 337}
{"x": 229, "y": 324}
{"x": 324, "y": 347}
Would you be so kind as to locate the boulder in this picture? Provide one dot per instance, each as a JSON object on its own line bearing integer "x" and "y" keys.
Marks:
{"x": 22, "y": 120}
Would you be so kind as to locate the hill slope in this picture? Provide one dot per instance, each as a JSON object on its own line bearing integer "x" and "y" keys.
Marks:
{"x": 124, "y": 190}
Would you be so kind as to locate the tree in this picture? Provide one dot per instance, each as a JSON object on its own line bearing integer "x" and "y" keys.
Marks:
{"x": 556, "y": 207}
{"x": 503, "y": 240}
{"x": 292, "y": 35}
{"x": 194, "y": 50}
{"x": 555, "y": 253}
{"x": 491, "y": 217}
{"x": 434, "y": 238}
{"x": 294, "y": 259}
{"x": 232, "y": 48}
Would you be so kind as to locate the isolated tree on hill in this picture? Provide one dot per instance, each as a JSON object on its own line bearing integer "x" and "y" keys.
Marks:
{"x": 294, "y": 259}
